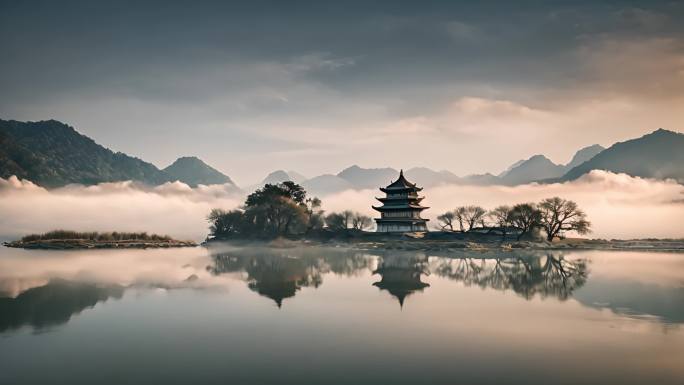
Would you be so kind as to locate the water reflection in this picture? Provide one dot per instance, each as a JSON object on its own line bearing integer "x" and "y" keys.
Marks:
{"x": 44, "y": 289}
{"x": 401, "y": 275}
{"x": 52, "y": 304}
{"x": 547, "y": 276}
{"x": 210, "y": 316}
{"x": 635, "y": 299}
{"x": 278, "y": 274}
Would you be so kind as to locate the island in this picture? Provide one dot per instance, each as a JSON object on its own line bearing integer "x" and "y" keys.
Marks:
{"x": 282, "y": 215}
{"x": 66, "y": 239}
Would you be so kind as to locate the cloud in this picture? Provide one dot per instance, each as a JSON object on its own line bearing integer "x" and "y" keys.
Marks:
{"x": 172, "y": 208}
{"x": 261, "y": 86}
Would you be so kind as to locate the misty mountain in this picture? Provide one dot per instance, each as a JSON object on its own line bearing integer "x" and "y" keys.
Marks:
{"x": 659, "y": 155}
{"x": 486, "y": 179}
{"x": 534, "y": 169}
{"x": 426, "y": 177}
{"x": 278, "y": 176}
{"x": 363, "y": 178}
{"x": 193, "y": 171}
{"x": 584, "y": 155}
{"x": 511, "y": 167}
{"x": 539, "y": 168}
{"x": 52, "y": 154}
{"x": 326, "y": 184}
{"x": 296, "y": 177}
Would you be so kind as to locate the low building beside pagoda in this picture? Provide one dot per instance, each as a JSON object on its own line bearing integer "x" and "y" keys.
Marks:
{"x": 400, "y": 210}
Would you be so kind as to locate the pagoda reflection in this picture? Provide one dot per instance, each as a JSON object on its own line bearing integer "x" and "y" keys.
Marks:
{"x": 401, "y": 275}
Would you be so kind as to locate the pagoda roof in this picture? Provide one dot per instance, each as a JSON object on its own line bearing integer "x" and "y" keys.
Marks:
{"x": 408, "y": 206}
{"x": 394, "y": 199}
{"x": 400, "y": 219}
{"x": 401, "y": 183}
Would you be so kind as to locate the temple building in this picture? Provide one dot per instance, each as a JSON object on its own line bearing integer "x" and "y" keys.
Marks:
{"x": 400, "y": 210}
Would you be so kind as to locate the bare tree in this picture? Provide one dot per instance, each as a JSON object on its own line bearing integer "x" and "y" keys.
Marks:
{"x": 447, "y": 220}
{"x": 473, "y": 215}
{"x": 525, "y": 216}
{"x": 460, "y": 216}
{"x": 360, "y": 221}
{"x": 339, "y": 221}
{"x": 347, "y": 216}
{"x": 559, "y": 215}
{"x": 502, "y": 218}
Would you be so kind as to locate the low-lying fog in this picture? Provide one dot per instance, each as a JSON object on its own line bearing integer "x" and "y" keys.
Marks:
{"x": 619, "y": 206}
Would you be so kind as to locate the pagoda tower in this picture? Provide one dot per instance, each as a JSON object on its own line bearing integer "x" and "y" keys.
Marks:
{"x": 400, "y": 210}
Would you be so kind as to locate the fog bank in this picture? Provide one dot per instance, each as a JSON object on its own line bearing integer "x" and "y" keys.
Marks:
{"x": 172, "y": 208}
{"x": 619, "y": 206}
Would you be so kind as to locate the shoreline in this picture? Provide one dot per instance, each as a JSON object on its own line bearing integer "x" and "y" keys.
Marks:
{"x": 372, "y": 241}
{"x": 408, "y": 243}
{"x": 84, "y": 244}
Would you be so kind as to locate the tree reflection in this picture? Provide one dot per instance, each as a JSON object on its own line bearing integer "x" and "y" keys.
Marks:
{"x": 52, "y": 304}
{"x": 279, "y": 274}
{"x": 547, "y": 276}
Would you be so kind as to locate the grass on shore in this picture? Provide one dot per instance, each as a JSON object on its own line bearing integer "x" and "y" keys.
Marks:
{"x": 95, "y": 236}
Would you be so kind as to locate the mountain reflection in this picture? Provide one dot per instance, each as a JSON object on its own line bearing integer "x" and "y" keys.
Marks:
{"x": 52, "y": 304}
{"x": 547, "y": 276}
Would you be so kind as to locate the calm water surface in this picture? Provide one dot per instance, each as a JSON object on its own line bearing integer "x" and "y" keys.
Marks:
{"x": 316, "y": 316}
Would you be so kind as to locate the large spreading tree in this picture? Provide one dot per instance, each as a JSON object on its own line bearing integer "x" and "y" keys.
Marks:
{"x": 559, "y": 215}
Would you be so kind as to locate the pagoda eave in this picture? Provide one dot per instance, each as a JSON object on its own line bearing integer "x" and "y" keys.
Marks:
{"x": 400, "y": 189}
{"x": 386, "y": 199}
{"x": 390, "y": 208}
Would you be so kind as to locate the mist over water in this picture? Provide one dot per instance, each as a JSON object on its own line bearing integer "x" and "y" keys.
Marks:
{"x": 619, "y": 206}
{"x": 172, "y": 208}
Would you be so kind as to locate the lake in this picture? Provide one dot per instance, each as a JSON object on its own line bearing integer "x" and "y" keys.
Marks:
{"x": 336, "y": 316}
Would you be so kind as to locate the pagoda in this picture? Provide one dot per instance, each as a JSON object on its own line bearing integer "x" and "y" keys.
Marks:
{"x": 400, "y": 210}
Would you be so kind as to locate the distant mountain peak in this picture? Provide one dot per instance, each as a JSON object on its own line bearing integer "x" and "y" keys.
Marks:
{"x": 275, "y": 177}
{"x": 188, "y": 159}
{"x": 537, "y": 167}
{"x": 192, "y": 171}
{"x": 368, "y": 177}
{"x": 583, "y": 155}
{"x": 661, "y": 132}
{"x": 659, "y": 154}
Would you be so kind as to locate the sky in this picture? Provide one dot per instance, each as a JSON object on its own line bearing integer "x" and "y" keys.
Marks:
{"x": 251, "y": 87}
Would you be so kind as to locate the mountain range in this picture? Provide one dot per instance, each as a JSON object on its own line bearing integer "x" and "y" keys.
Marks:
{"x": 658, "y": 155}
{"x": 53, "y": 154}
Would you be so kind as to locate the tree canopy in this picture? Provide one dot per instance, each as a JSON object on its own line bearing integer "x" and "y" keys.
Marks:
{"x": 271, "y": 211}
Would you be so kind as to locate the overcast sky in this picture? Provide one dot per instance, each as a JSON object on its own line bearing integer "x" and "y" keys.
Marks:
{"x": 256, "y": 86}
